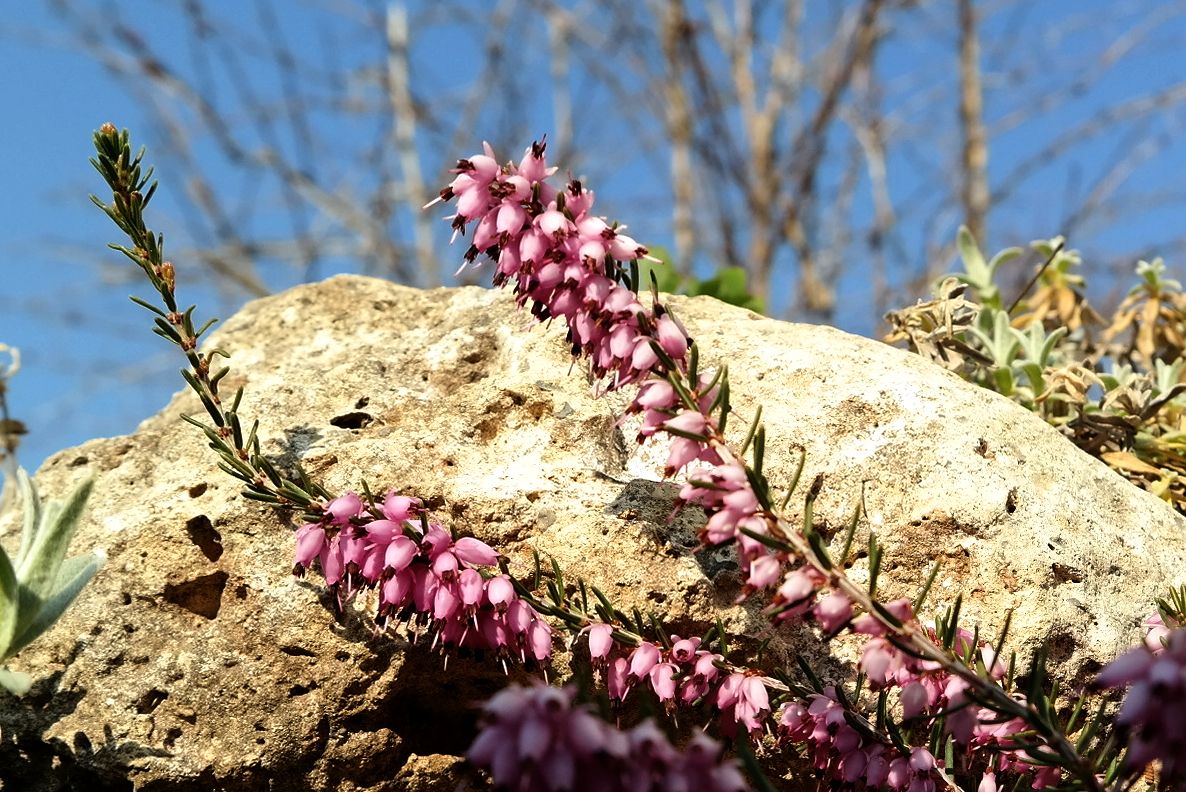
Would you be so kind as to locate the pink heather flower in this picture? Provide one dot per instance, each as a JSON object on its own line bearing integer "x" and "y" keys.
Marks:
{"x": 671, "y": 338}
{"x": 880, "y": 661}
{"x": 383, "y": 531}
{"x": 332, "y": 564}
{"x": 689, "y": 421}
{"x": 310, "y": 538}
{"x": 833, "y": 612}
{"x": 662, "y": 678}
{"x": 445, "y": 602}
{"x": 354, "y": 546}
{"x": 643, "y": 659}
{"x": 867, "y": 624}
{"x": 601, "y": 640}
{"x": 373, "y": 563}
{"x": 343, "y": 508}
{"x": 706, "y": 667}
{"x": 681, "y": 453}
{"x": 742, "y": 699}
{"x": 914, "y": 699}
{"x": 1157, "y": 632}
{"x": 500, "y": 591}
{"x": 624, "y": 248}
{"x": 539, "y": 639}
{"x": 400, "y": 552}
{"x": 398, "y": 508}
{"x": 536, "y": 740}
{"x": 474, "y": 551}
{"x": 763, "y": 572}
{"x": 1152, "y": 710}
{"x": 617, "y": 679}
{"x": 471, "y": 587}
{"x": 445, "y": 566}
{"x": 684, "y": 651}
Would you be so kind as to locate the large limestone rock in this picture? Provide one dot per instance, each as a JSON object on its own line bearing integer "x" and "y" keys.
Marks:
{"x": 196, "y": 661}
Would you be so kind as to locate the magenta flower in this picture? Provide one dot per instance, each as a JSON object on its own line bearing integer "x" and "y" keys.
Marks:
{"x": 1152, "y": 710}
{"x": 342, "y": 509}
{"x": 310, "y": 538}
{"x": 399, "y": 508}
{"x": 601, "y": 640}
{"x": 643, "y": 659}
{"x": 426, "y": 580}
{"x": 742, "y": 699}
{"x": 536, "y": 740}
{"x": 833, "y": 612}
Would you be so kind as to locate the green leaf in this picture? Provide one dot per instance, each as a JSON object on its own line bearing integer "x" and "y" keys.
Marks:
{"x": 39, "y": 568}
{"x": 15, "y": 682}
{"x": 9, "y": 603}
{"x": 74, "y": 574}
{"x": 31, "y": 505}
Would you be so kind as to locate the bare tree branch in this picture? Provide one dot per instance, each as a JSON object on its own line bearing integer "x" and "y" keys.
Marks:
{"x": 975, "y": 148}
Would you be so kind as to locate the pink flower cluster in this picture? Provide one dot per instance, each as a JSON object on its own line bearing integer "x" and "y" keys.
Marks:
{"x": 424, "y": 577}
{"x": 562, "y": 259}
{"x": 841, "y": 752}
{"x": 534, "y": 739}
{"x": 683, "y": 674}
{"x": 1152, "y": 711}
{"x": 927, "y": 690}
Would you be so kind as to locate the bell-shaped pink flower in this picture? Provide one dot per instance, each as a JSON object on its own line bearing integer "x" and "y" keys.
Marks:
{"x": 643, "y": 659}
{"x": 383, "y": 531}
{"x": 342, "y": 508}
{"x": 833, "y": 612}
{"x": 684, "y": 651}
{"x": 539, "y": 640}
{"x": 471, "y": 587}
{"x": 601, "y": 640}
{"x": 617, "y": 679}
{"x": 310, "y": 538}
{"x": 662, "y": 677}
{"x": 400, "y": 552}
{"x": 474, "y": 551}
{"x": 398, "y": 508}
{"x": 500, "y": 592}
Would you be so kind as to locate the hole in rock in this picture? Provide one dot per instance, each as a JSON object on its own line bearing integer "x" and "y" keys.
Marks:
{"x": 351, "y": 420}
{"x": 363, "y": 401}
{"x": 198, "y": 490}
{"x": 201, "y": 532}
{"x": 297, "y": 651}
{"x": 150, "y": 701}
{"x": 202, "y": 595}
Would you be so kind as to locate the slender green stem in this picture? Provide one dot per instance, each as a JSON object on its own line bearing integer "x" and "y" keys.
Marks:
{"x": 131, "y": 192}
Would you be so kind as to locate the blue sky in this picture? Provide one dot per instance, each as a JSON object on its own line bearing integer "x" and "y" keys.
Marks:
{"x": 92, "y": 368}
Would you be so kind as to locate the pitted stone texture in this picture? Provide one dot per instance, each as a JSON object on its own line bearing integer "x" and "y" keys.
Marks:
{"x": 196, "y": 661}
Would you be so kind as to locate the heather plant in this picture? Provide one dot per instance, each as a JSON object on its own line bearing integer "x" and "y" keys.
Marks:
{"x": 934, "y": 705}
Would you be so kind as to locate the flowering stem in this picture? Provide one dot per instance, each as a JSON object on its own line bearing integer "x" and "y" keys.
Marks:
{"x": 239, "y": 451}
{"x": 907, "y": 634}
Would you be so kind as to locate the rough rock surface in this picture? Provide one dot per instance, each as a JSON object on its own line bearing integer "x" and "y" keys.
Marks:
{"x": 195, "y": 661}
